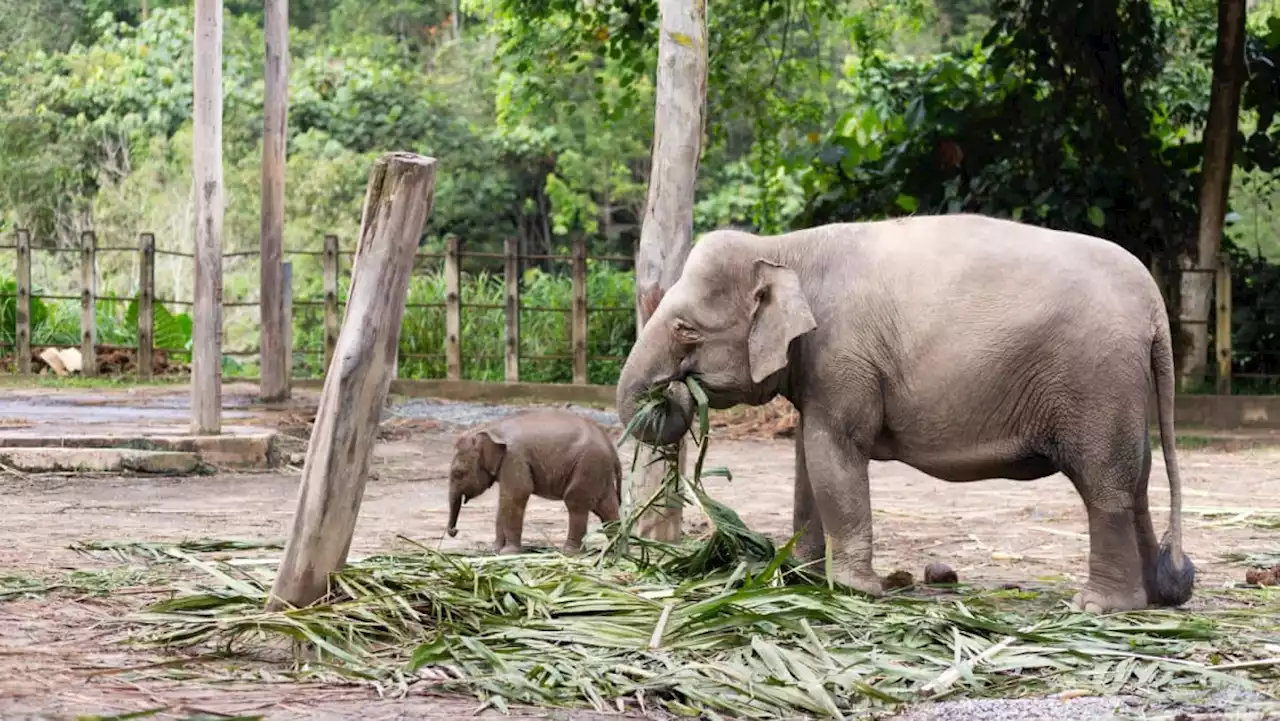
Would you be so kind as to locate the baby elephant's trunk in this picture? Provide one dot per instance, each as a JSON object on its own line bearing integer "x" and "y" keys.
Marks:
{"x": 455, "y": 505}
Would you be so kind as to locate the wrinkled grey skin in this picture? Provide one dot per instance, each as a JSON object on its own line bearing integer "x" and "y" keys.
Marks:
{"x": 964, "y": 346}
{"x": 552, "y": 454}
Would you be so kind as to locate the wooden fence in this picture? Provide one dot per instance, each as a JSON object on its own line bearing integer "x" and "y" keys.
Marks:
{"x": 1220, "y": 373}
{"x": 332, "y": 304}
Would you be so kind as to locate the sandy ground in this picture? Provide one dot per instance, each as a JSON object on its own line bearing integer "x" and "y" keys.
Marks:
{"x": 53, "y": 649}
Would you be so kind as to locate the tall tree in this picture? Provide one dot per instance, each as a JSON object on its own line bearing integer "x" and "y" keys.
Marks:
{"x": 273, "y": 326}
{"x": 666, "y": 233}
{"x": 206, "y": 336}
{"x": 1215, "y": 182}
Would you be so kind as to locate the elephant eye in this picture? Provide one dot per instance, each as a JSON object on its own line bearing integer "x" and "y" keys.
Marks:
{"x": 685, "y": 333}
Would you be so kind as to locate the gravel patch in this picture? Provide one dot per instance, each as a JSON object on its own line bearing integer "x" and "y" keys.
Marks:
{"x": 458, "y": 413}
{"x": 1224, "y": 705}
{"x": 1051, "y": 709}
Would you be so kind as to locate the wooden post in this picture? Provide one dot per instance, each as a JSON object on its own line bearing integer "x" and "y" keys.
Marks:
{"x": 22, "y": 310}
{"x": 666, "y": 233}
{"x": 579, "y": 329}
{"x": 88, "y": 303}
{"x": 330, "y": 299}
{"x": 396, "y": 206}
{"x": 146, "y": 301}
{"x": 286, "y": 303}
{"x": 1222, "y": 333}
{"x": 206, "y": 340}
{"x": 271, "y": 327}
{"x": 511, "y": 275}
{"x": 452, "y": 310}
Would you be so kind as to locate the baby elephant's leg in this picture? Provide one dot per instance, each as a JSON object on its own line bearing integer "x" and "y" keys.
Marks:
{"x": 577, "y": 527}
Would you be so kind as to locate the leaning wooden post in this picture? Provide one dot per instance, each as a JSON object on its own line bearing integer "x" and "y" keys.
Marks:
{"x": 452, "y": 310}
{"x": 1222, "y": 332}
{"x": 271, "y": 325}
{"x": 579, "y": 328}
{"x": 331, "y": 317}
{"x": 286, "y": 304}
{"x": 206, "y": 335}
{"x": 88, "y": 303}
{"x": 22, "y": 309}
{"x": 511, "y": 276}
{"x": 146, "y": 305}
{"x": 396, "y": 206}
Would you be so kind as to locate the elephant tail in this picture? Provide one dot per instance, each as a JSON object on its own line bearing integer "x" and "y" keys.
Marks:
{"x": 617, "y": 476}
{"x": 1175, "y": 574}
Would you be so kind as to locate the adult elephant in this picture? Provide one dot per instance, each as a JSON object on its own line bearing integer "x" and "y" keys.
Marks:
{"x": 964, "y": 346}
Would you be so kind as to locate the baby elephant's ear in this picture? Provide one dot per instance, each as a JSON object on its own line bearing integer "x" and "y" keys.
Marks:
{"x": 493, "y": 446}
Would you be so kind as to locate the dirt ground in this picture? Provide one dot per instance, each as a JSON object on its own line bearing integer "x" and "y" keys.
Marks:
{"x": 55, "y": 654}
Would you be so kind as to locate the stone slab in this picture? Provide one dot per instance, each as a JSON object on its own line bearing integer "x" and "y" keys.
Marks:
{"x": 99, "y": 460}
{"x": 255, "y": 449}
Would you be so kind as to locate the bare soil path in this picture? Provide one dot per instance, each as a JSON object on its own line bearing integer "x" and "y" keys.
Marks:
{"x": 53, "y": 649}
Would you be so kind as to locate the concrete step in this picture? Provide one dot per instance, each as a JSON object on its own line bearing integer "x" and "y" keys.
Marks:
{"x": 99, "y": 460}
{"x": 242, "y": 450}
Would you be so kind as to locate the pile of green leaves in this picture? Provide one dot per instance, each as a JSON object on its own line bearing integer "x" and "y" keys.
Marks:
{"x": 723, "y": 625}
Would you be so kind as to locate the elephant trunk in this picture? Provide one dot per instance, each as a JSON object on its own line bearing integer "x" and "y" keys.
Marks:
{"x": 652, "y": 364}
{"x": 455, "y": 506}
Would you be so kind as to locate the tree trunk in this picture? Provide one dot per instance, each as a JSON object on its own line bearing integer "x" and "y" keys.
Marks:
{"x": 666, "y": 233}
{"x": 1215, "y": 183}
{"x": 206, "y": 335}
{"x": 272, "y": 326}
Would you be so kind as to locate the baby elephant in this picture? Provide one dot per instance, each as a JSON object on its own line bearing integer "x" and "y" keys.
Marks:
{"x": 554, "y": 454}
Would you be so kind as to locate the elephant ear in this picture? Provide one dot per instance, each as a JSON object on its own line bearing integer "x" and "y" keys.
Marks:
{"x": 780, "y": 314}
{"x": 492, "y": 448}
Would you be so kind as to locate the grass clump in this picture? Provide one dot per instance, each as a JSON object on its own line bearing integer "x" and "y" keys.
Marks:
{"x": 728, "y": 625}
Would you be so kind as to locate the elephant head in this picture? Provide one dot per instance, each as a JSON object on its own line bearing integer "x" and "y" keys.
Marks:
{"x": 728, "y": 321}
{"x": 477, "y": 455}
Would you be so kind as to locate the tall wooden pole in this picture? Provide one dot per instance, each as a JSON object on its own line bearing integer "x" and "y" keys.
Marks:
{"x": 206, "y": 341}
{"x": 274, "y": 384}
{"x": 396, "y": 205}
{"x": 666, "y": 234}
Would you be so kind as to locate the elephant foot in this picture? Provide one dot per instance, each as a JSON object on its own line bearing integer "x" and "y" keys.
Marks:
{"x": 572, "y": 549}
{"x": 867, "y": 583}
{"x": 1093, "y": 600}
{"x": 509, "y": 550}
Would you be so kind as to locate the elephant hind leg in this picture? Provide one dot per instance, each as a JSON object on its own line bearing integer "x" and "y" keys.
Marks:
{"x": 1122, "y": 550}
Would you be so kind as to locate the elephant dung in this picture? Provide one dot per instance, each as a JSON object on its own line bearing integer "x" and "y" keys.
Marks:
{"x": 899, "y": 579}
{"x": 939, "y": 574}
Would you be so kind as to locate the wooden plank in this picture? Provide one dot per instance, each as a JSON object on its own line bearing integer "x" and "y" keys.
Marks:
{"x": 396, "y": 206}
{"x": 452, "y": 310}
{"x": 331, "y": 317}
{"x": 578, "y": 332}
{"x": 22, "y": 311}
{"x": 88, "y": 303}
{"x": 1222, "y": 331}
{"x": 286, "y": 304}
{"x": 272, "y": 326}
{"x": 206, "y": 313}
{"x": 666, "y": 235}
{"x": 146, "y": 305}
{"x": 511, "y": 311}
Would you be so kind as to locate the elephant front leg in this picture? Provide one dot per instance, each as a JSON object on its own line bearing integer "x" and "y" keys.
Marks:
{"x": 841, "y": 489}
{"x": 812, "y": 544}
{"x": 512, "y": 499}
